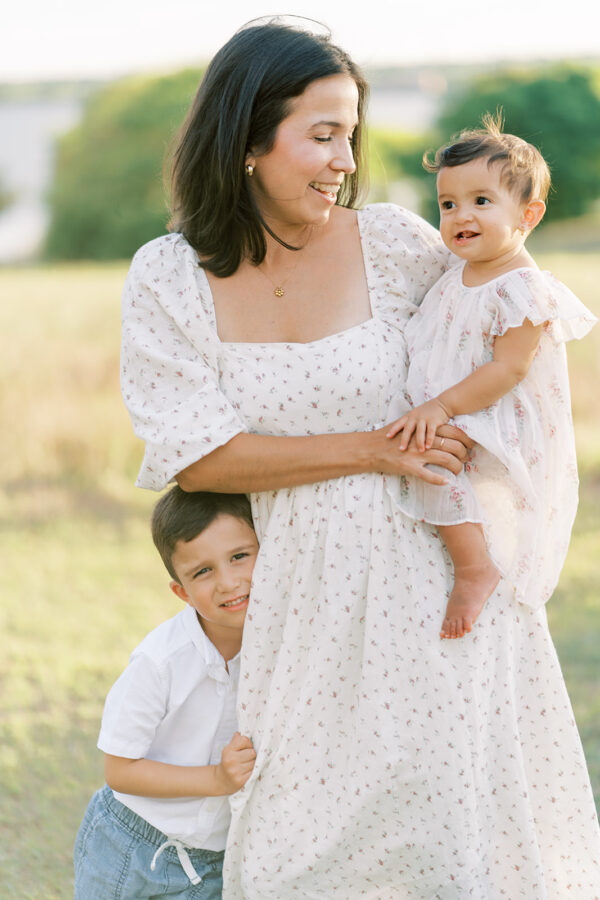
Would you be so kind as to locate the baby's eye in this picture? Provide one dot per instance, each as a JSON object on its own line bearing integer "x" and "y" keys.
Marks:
{"x": 482, "y": 201}
{"x": 447, "y": 204}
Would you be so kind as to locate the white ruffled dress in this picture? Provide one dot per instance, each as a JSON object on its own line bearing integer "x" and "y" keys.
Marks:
{"x": 522, "y": 476}
{"x": 390, "y": 765}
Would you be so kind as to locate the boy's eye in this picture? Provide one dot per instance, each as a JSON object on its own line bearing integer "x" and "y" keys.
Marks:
{"x": 202, "y": 571}
{"x": 240, "y": 555}
{"x": 482, "y": 201}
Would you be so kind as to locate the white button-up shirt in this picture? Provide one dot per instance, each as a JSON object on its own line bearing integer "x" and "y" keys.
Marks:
{"x": 175, "y": 703}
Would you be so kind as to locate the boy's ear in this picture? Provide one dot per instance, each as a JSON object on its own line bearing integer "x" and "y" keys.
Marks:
{"x": 533, "y": 214}
{"x": 179, "y": 591}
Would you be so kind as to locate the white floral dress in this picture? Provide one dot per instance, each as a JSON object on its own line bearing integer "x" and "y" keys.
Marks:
{"x": 522, "y": 475}
{"x": 390, "y": 764}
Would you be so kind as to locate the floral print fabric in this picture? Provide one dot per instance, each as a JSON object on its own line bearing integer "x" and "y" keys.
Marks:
{"x": 522, "y": 475}
{"x": 389, "y": 764}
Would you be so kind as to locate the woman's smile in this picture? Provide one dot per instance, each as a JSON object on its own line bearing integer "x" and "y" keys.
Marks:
{"x": 328, "y": 191}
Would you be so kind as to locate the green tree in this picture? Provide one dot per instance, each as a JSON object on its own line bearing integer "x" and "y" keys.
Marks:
{"x": 108, "y": 196}
{"x": 555, "y": 108}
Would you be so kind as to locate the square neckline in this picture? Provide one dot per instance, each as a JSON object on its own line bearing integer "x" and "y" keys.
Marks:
{"x": 336, "y": 334}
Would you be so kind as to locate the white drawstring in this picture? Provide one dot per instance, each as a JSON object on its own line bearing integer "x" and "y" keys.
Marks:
{"x": 186, "y": 863}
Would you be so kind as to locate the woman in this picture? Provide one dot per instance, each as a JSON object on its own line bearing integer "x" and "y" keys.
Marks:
{"x": 262, "y": 344}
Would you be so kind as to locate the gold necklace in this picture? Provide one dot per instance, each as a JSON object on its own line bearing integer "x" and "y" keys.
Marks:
{"x": 279, "y": 289}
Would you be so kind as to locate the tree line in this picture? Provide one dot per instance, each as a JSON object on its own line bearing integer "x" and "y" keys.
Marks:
{"x": 109, "y": 194}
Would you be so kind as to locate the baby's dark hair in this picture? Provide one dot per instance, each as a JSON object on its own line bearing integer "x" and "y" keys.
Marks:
{"x": 524, "y": 169}
{"x": 182, "y": 516}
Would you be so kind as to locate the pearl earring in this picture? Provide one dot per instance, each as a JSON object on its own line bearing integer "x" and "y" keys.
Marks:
{"x": 249, "y": 171}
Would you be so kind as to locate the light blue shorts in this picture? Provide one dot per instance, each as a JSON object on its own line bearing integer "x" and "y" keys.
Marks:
{"x": 114, "y": 852}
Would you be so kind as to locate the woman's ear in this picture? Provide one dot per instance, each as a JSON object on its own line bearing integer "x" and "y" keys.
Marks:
{"x": 179, "y": 591}
{"x": 533, "y": 214}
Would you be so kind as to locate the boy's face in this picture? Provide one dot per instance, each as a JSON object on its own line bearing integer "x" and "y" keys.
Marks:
{"x": 479, "y": 217}
{"x": 215, "y": 571}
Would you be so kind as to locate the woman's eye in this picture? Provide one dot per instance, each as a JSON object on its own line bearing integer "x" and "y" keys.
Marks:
{"x": 482, "y": 201}
{"x": 323, "y": 140}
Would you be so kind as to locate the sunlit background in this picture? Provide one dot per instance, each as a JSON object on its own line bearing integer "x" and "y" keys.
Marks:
{"x": 66, "y": 51}
{"x": 90, "y": 96}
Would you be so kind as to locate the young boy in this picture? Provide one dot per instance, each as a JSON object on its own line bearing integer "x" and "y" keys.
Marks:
{"x": 172, "y": 752}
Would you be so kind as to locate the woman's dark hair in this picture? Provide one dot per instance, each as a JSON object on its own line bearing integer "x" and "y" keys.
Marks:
{"x": 243, "y": 97}
{"x": 180, "y": 516}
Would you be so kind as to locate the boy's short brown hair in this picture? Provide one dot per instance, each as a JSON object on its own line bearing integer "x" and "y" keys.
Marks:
{"x": 181, "y": 516}
{"x": 524, "y": 169}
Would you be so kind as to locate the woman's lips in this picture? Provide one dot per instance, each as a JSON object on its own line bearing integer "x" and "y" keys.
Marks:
{"x": 329, "y": 191}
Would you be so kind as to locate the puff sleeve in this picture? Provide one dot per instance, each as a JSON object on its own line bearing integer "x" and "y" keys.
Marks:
{"x": 169, "y": 362}
{"x": 404, "y": 257}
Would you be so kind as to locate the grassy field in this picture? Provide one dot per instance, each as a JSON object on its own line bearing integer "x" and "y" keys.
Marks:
{"x": 80, "y": 583}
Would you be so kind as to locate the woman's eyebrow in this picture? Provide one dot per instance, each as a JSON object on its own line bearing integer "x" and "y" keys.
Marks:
{"x": 331, "y": 123}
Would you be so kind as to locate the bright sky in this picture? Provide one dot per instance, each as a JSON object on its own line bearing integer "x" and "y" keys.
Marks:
{"x": 78, "y": 38}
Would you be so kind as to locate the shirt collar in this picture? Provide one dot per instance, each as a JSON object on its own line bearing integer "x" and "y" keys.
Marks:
{"x": 215, "y": 664}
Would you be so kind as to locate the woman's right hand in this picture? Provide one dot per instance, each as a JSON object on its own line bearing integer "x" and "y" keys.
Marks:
{"x": 260, "y": 462}
{"x": 449, "y": 451}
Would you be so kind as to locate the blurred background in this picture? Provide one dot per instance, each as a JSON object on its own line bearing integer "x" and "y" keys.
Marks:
{"x": 90, "y": 99}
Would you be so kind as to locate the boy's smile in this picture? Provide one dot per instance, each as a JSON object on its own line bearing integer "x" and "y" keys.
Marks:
{"x": 215, "y": 573}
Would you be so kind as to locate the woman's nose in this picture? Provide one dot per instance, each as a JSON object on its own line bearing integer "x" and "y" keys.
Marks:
{"x": 344, "y": 158}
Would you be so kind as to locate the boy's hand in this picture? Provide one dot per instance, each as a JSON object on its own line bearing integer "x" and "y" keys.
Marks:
{"x": 237, "y": 762}
{"x": 422, "y": 421}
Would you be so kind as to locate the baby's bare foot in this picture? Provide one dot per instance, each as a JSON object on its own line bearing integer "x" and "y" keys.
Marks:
{"x": 472, "y": 586}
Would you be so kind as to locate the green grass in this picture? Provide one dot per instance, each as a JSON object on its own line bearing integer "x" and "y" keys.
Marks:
{"x": 80, "y": 583}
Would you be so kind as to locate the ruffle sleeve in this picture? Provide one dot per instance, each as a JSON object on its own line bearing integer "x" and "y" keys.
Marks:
{"x": 404, "y": 256}
{"x": 169, "y": 367}
{"x": 541, "y": 298}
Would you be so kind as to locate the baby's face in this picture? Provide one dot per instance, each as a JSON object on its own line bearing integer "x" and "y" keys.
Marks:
{"x": 479, "y": 216}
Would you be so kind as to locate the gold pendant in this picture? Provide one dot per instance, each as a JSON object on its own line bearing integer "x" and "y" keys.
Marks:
{"x": 279, "y": 292}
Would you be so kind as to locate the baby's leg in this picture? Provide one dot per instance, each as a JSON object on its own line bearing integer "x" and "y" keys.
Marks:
{"x": 475, "y": 577}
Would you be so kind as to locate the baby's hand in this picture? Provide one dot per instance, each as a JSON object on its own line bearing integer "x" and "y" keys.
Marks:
{"x": 422, "y": 421}
{"x": 237, "y": 762}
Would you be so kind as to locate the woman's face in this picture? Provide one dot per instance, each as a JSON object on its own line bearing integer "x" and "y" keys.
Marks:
{"x": 297, "y": 181}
